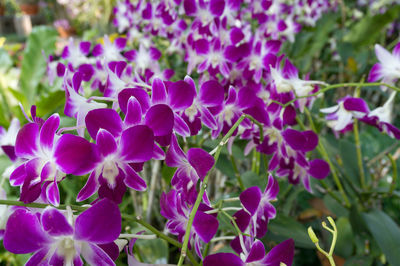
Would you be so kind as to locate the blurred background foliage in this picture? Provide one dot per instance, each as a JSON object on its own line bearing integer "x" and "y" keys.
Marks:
{"x": 339, "y": 49}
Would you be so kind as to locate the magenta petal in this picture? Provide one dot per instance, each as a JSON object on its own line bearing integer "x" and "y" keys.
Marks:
{"x": 106, "y": 142}
{"x": 39, "y": 258}
{"x": 180, "y": 95}
{"x": 355, "y": 104}
{"x": 55, "y": 223}
{"x": 99, "y": 224}
{"x": 181, "y": 126}
{"x": 103, "y": 118}
{"x": 257, "y": 252}
{"x": 175, "y": 156}
{"x": 53, "y": 194}
{"x": 242, "y": 219}
{"x": 375, "y": 73}
{"x": 133, "y": 180}
{"x": 223, "y": 259}
{"x": 75, "y": 155}
{"x": 311, "y": 140}
{"x": 284, "y": 252}
{"x": 89, "y": 189}
{"x": 217, "y": 7}
{"x": 205, "y": 225}
{"x": 26, "y": 144}
{"x": 133, "y": 112}
{"x": 160, "y": 119}
{"x": 211, "y": 93}
{"x": 20, "y": 225}
{"x": 207, "y": 118}
{"x": 120, "y": 43}
{"x": 319, "y": 169}
{"x": 200, "y": 160}
{"x": 17, "y": 177}
{"x": 159, "y": 92}
{"x": 94, "y": 255}
{"x": 111, "y": 249}
{"x": 250, "y": 198}
{"x": 294, "y": 138}
{"x": 48, "y": 131}
{"x": 137, "y": 144}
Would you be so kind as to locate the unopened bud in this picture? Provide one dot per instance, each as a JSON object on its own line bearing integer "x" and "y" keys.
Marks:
{"x": 312, "y": 235}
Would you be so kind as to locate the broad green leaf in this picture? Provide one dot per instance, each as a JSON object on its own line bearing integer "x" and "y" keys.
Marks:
{"x": 251, "y": 179}
{"x": 33, "y": 64}
{"x": 284, "y": 227}
{"x": 344, "y": 244}
{"x": 386, "y": 233}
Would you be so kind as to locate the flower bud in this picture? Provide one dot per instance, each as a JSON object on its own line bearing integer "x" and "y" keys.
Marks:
{"x": 312, "y": 235}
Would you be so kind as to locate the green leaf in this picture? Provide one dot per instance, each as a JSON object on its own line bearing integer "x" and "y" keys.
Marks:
{"x": 50, "y": 102}
{"x": 154, "y": 251}
{"x": 251, "y": 179}
{"x": 370, "y": 27}
{"x": 386, "y": 233}
{"x": 344, "y": 244}
{"x": 284, "y": 227}
{"x": 33, "y": 66}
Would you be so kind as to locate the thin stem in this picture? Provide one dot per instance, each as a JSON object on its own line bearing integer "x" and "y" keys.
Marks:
{"x": 359, "y": 153}
{"x": 137, "y": 236}
{"x": 222, "y": 238}
{"x": 394, "y": 174}
{"x": 335, "y": 86}
{"x": 224, "y": 209}
{"x": 237, "y": 174}
{"x": 202, "y": 190}
{"x": 321, "y": 149}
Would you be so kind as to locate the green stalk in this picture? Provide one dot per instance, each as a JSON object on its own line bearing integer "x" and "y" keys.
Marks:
{"x": 335, "y": 86}
{"x": 359, "y": 153}
{"x": 202, "y": 190}
{"x": 321, "y": 149}
{"x": 394, "y": 178}
{"x": 237, "y": 174}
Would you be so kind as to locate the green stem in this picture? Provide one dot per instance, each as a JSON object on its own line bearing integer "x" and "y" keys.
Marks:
{"x": 359, "y": 153}
{"x": 335, "y": 86}
{"x": 394, "y": 177}
{"x": 202, "y": 190}
{"x": 321, "y": 149}
{"x": 237, "y": 174}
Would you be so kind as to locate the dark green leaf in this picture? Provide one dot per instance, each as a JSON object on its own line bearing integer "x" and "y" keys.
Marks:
{"x": 284, "y": 227}
{"x": 386, "y": 233}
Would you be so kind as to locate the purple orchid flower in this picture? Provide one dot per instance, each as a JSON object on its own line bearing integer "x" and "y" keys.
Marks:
{"x": 192, "y": 167}
{"x": 110, "y": 51}
{"x": 211, "y": 94}
{"x": 177, "y": 211}
{"x": 340, "y": 116}
{"x": 55, "y": 238}
{"x": 253, "y": 253}
{"x": 258, "y": 209}
{"x": 48, "y": 157}
{"x": 76, "y": 55}
{"x": 120, "y": 149}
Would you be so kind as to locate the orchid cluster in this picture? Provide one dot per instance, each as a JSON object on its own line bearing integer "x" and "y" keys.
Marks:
{"x": 130, "y": 107}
